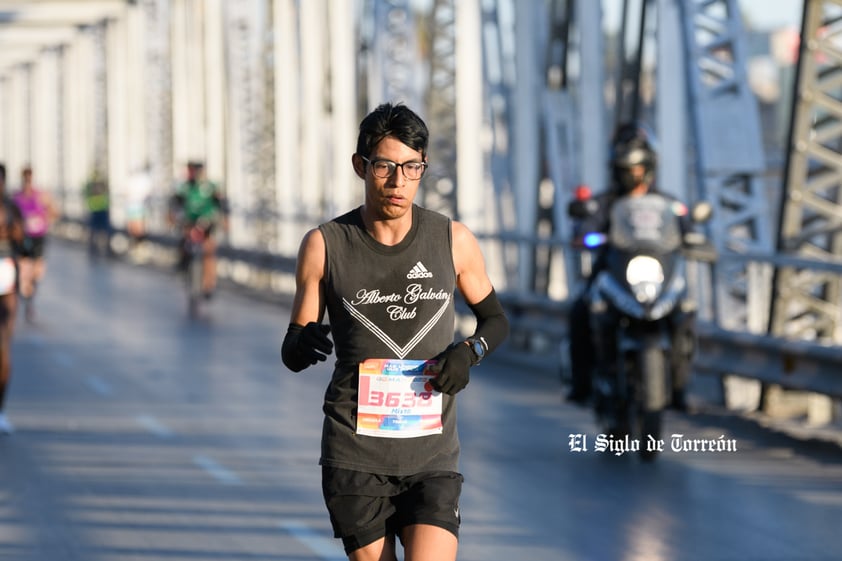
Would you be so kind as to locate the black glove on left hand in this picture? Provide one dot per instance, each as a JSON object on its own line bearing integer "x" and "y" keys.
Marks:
{"x": 453, "y": 367}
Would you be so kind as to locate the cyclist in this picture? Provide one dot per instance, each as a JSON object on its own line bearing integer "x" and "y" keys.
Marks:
{"x": 200, "y": 203}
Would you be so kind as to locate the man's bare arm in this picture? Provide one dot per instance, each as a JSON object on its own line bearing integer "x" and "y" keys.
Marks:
{"x": 308, "y": 304}
{"x": 471, "y": 276}
{"x": 306, "y": 341}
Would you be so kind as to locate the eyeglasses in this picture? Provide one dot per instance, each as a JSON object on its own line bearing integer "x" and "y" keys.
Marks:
{"x": 384, "y": 169}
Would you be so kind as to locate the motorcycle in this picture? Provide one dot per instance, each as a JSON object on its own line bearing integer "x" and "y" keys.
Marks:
{"x": 636, "y": 297}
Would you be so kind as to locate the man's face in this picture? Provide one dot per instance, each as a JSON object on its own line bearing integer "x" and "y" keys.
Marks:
{"x": 633, "y": 178}
{"x": 389, "y": 197}
{"x": 638, "y": 172}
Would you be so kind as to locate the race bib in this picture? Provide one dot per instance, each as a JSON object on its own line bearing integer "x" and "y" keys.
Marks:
{"x": 396, "y": 399}
{"x": 35, "y": 225}
{"x": 8, "y": 275}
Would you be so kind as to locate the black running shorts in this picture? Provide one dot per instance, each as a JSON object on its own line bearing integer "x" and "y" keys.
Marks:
{"x": 32, "y": 248}
{"x": 365, "y": 507}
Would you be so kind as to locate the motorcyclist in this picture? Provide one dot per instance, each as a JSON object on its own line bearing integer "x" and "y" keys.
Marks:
{"x": 633, "y": 167}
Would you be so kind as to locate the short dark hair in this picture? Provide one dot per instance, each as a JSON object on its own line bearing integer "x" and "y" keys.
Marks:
{"x": 395, "y": 120}
{"x": 2, "y": 172}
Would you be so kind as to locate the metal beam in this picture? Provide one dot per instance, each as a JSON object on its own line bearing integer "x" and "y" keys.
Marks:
{"x": 441, "y": 182}
{"x": 28, "y": 27}
{"x": 729, "y": 156}
{"x": 807, "y": 305}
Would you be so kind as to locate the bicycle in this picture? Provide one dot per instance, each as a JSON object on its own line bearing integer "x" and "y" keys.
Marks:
{"x": 194, "y": 264}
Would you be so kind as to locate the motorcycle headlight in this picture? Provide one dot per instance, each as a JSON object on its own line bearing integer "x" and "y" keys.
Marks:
{"x": 645, "y": 277}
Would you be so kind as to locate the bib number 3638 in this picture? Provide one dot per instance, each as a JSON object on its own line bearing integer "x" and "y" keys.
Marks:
{"x": 396, "y": 400}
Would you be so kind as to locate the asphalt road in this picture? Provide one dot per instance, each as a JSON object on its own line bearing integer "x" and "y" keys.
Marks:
{"x": 146, "y": 436}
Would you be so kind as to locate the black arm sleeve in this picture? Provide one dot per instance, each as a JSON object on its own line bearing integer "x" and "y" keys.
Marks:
{"x": 492, "y": 323}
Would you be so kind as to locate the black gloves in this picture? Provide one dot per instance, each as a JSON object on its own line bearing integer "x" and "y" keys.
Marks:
{"x": 304, "y": 346}
{"x": 453, "y": 367}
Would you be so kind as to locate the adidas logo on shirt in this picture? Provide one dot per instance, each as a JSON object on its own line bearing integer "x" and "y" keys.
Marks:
{"x": 419, "y": 271}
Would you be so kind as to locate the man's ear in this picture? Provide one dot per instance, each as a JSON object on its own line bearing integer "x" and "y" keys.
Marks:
{"x": 359, "y": 165}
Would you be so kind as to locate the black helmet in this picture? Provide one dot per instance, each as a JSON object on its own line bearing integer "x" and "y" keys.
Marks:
{"x": 626, "y": 132}
{"x": 632, "y": 145}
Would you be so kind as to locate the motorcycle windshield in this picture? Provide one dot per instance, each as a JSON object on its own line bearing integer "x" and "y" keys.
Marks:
{"x": 645, "y": 224}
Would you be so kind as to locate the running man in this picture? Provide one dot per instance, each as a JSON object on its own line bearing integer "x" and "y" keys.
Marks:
{"x": 386, "y": 273}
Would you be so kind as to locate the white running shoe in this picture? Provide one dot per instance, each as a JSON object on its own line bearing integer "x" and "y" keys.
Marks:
{"x": 6, "y": 427}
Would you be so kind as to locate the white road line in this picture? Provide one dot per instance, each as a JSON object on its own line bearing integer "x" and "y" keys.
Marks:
{"x": 326, "y": 548}
{"x": 217, "y": 471}
{"x": 99, "y": 386}
{"x": 154, "y": 426}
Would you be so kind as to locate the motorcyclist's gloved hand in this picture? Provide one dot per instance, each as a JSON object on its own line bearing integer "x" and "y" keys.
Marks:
{"x": 306, "y": 345}
{"x": 452, "y": 368}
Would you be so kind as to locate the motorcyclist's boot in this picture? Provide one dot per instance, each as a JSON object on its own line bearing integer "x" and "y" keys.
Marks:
{"x": 679, "y": 400}
{"x": 680, "y": 380}
{"x": 578, "y": 395}
{"x": 580, "y": 384}
{"x": 581, "y": 363}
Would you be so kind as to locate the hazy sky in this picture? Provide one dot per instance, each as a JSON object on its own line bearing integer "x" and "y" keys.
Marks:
{"x": 763, "y": 14}
{"x": 771, "y": 14}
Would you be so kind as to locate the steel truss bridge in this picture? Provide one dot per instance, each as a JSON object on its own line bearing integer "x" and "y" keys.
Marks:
{"x": 520, "y": 96}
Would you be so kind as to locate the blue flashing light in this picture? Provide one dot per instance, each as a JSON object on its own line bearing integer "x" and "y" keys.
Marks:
{"x": 594, "y": 239}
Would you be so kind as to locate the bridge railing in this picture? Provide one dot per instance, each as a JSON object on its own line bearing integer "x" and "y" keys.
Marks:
{"x": 539, "y": 323}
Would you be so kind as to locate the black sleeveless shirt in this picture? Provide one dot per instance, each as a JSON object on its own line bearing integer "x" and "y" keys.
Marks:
{"x": 387, "y": 302}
